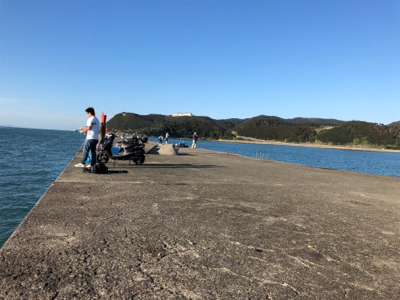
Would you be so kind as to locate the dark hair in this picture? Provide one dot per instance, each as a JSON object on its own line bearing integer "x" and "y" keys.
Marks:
{"x": 90, "y": 110}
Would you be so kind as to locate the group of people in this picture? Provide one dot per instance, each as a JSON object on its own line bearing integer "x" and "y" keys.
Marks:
{"x": 92, "y": 129}
{"x": 194, "y": 139}
{"x": 161, "y": 138}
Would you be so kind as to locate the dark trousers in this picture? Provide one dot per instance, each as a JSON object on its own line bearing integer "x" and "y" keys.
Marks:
{"x": 90, "y": 146}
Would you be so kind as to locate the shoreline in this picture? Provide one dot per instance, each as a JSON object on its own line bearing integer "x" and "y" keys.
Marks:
{"x": 339, "y": 147}
{"x": 306, "y": 145}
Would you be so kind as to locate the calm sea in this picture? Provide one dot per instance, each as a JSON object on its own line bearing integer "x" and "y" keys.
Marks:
{"x": 379, "y": 163}
{"x": 33, "y": 158}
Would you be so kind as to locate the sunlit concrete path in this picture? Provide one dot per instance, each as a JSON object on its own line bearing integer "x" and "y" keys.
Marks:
{"x": 208, "y": 225}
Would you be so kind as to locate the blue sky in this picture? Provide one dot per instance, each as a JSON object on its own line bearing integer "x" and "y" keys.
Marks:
{"x": 223, "y": 59}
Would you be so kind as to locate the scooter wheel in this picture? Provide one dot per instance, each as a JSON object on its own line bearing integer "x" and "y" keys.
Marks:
{"x": 140, "y": 161}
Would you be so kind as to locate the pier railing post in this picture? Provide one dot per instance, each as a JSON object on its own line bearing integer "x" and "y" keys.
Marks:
{"x": 262, "y": 155}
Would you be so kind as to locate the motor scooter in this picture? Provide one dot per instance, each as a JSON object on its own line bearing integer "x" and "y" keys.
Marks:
{"x": 128, "y": 149}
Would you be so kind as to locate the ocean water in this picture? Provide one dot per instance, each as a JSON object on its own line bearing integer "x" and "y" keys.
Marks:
{"x": 32, "y": 159}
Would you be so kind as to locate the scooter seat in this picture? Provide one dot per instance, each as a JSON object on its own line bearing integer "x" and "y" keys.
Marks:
{"x": 130, "y": 140}
{"x": 128, "y": 144}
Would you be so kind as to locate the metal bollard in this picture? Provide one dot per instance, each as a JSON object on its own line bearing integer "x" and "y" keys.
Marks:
{"x": 262, "y": 155}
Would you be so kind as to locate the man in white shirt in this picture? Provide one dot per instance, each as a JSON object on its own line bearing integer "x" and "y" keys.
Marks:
{"x": 166, "y": 138}
{"x": 92, "y": 137}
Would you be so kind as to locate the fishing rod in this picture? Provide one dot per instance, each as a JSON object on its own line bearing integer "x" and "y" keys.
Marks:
{"x": 46, "y": 143}
{"x": 62, "y": 126}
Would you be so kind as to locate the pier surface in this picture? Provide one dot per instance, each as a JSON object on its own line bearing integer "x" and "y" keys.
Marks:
{"x": 208, "y": 225}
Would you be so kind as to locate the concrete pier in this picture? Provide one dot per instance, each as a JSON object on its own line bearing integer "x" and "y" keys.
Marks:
{"x": 208, "y": 225}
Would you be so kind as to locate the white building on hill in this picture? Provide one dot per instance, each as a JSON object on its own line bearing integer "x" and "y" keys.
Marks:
{"x": 182, "y": 115}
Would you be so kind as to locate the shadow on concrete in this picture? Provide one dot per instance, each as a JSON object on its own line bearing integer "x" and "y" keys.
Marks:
{"x": 179, "y": 154}
{"x": 172, "y": 166}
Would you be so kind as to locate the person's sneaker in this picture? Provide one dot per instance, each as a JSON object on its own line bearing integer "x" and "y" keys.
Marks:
{"x": 80, "y": 165}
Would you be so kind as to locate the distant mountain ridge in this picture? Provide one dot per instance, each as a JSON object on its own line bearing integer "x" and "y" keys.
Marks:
{"x": 395, "y": 123}
{"x": 133, "y": 121}
{"x": 296, "y": 130}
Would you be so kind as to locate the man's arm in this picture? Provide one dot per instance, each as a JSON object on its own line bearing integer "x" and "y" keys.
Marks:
{"x": 86, "y": 128}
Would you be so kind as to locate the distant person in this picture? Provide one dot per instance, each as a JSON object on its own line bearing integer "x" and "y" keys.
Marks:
{"x": 92, "y": 137}
{"x": 194, "y": 138}
{"x": 166, "y": 138}
{"x": 160, "y": 139}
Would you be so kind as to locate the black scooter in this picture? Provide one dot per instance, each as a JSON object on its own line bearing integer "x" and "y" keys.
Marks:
{"x": 129, "y": 149}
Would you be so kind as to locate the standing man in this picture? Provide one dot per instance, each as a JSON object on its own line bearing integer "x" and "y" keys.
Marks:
{"x": 194, "y": 143}
{"x": 92, "y": 137}
{"x": 166, "y": 138}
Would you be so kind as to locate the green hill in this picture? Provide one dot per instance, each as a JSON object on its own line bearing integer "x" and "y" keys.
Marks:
{"x": 131, "y": 121}
{"x": 297, "y": 130}
{"x": 395, "y": 123}
{"x": 315, "y": 121}
{"x": 362, "y": 133}
{"x": 178, "y": 127}
{"x": 274, "y": 128}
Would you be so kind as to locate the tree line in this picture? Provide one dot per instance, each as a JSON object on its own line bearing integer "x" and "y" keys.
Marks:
{"x": 298, "y": 130}
{"x": 362, "y": 133}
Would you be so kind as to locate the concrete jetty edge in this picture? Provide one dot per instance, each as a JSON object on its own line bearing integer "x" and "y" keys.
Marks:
{"x": 208, "y": 225}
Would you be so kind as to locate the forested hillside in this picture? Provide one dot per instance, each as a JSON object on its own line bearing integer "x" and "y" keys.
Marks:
{"x": 297, "y": 130}
{"x": 179, "y": 127}
{"x": 273, "y": 128}
{"x": 131, "y": 121}
{"x": 357, "y": 132}
{"x": 395, "y": 123}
